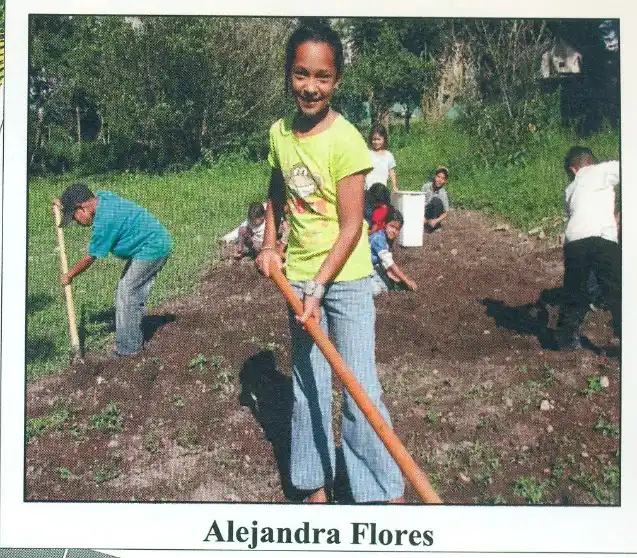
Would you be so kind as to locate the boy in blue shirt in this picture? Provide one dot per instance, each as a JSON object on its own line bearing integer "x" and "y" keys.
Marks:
{"x": 130, "y": 232}
{"x": 387, "y": 275}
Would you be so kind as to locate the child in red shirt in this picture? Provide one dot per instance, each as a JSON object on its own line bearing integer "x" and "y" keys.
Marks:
{"x": 377, "y": 207}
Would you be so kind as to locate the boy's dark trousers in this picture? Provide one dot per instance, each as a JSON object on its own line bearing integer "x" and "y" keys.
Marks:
{"x": 603, "y": 257}
{"x": 433, "y": 210}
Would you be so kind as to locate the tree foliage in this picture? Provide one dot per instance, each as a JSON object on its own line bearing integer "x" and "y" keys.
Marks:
{"x": 389, "y": 64}
{"x": 114, "y": 93}
{"x": 154, "y": 92}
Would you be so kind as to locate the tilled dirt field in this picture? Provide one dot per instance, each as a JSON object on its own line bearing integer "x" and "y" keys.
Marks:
{"x": 476, "y": 393}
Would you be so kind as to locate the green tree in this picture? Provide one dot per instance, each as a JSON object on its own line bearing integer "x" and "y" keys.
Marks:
{"x": 504, "y": 107}
{"x": 154, "y": 92}
{"x": 389, "y": 65}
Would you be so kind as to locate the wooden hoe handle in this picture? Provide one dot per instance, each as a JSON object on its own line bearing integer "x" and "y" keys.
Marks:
{"x": 393, "y": 444}
{"x": 64, "y": 266}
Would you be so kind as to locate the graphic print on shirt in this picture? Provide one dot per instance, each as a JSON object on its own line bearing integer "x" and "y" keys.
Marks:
{"x": 302, "y": 185}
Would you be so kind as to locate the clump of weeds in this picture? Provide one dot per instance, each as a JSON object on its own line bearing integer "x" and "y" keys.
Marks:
{"x": 108, "y": 469}
{"x": 606, "y": 427}
{"x": 530, "y": 489}
{"x": 606, "y": 492}
{"x": 178, "y": 401}
{"x": 593, "y": 386}
{"x": 62, "y": 413}
{"x": 266, "y": 345}
{"x": 433, "y": 416}
{"x": 64, "y": 473}
{"x": 187, "y": 436}
{"x": 109, "y": 420}
{"x": 198, "y": 362}
{"x": 152, "y": 436}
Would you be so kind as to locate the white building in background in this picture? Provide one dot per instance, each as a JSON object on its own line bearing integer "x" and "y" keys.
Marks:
{"x": 561, "y": 59}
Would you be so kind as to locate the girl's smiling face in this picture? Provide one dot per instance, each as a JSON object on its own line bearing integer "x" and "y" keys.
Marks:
{"x": 313, "y": 77}
{"x": 378, "y": 142}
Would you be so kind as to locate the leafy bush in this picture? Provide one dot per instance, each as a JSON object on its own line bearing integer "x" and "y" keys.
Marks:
{"x": 110, "y": 419}
{"x": 504, "y": 136}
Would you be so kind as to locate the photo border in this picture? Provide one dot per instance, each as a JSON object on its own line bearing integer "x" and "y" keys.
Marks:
{"x": 184, "y": 526}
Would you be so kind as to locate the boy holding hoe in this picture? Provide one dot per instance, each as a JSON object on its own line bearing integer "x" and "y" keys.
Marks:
{"x": 130, "y": 232}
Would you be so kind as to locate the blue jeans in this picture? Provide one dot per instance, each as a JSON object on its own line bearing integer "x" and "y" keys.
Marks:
{"x": 132, "y": 293}
{"x": 378, "y": 284}
{"x": 348, "y": 315}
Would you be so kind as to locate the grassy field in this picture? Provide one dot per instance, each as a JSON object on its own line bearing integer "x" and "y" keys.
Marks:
{"x": 199, "y": 205}
{"x": 523, "y": 195}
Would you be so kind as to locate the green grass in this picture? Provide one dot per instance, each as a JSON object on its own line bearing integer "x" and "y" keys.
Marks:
{"x": 523, "y": 195}
{"x": 200, "y": 205}
{"x": 57, "y": 419}
{"x": 197, "y": 206}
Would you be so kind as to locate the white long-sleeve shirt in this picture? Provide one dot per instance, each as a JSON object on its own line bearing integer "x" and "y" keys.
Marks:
{"x": 589, "y": 202}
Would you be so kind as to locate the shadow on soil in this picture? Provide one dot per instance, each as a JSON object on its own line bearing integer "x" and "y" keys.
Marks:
{"x": 150, "y": 324}
{"x": 268, "y": 394}
{"x": 528, "y": 319}
{"x": 106, "y": 321}
{"x": 533, "y": 318}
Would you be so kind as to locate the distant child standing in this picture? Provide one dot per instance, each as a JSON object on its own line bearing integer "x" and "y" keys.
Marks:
{"x": 128, "y": 231}
{"x": 436, "y": 199}
{"x": 384, "y": 168}
{"x": 250, "y": 235}
{"x": 319, "y": 161}
{"x": 377, "y": 206}
{"x": 590, "y": 243}
{"x": 387, "y": 275}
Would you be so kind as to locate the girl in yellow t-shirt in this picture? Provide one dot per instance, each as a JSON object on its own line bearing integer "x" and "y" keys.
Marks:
{"x": 319, "y": 162}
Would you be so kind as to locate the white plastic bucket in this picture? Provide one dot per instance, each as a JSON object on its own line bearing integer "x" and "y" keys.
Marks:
{"x": 412, "y": 206}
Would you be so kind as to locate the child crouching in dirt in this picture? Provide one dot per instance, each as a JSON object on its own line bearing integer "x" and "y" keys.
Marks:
{"x": 436, "y": 200}
{"x": 591, "y": 243}
{"x": 387, "y": 276}
{"x": 128, "y": 231}
{"x": 250, "y": 235}
{"x": 377, "y": 205}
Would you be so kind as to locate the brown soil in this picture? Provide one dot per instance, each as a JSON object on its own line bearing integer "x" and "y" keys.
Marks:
{"x": 465, "y": 363}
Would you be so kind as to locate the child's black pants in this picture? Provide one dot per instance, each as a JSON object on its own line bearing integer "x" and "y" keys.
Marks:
{"x": 601, "y": 256}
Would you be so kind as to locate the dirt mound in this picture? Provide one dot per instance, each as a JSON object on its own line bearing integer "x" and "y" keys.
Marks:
{"x": 476, "y": 392}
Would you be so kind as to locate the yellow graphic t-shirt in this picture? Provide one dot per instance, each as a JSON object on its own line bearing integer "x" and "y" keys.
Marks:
{"x": 311, "y": 168}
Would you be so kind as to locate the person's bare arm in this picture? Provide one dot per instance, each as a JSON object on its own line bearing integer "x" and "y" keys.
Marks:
{"x": 394, "y": 180}
{"x": 434, "y": 222}
{"x": 80, "y": 267}
{"x": 274, "y": 208}
{"x": 402, "y": 278}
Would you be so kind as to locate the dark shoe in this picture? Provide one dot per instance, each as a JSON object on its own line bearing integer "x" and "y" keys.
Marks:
{"x": 568, "y": 342}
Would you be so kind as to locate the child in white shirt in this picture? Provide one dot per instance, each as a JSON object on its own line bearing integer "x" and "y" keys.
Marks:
{"x": 590, "y": 243}
{"x": 384, "y": 163}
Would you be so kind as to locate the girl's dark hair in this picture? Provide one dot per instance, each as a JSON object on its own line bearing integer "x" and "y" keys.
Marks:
{"x": 394, "y": 215}
{"x": 256, "y": 211}
{"x": 317, "y": 31}
{"x": 378, "y": 193}
{"x": 381, "y": 131}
